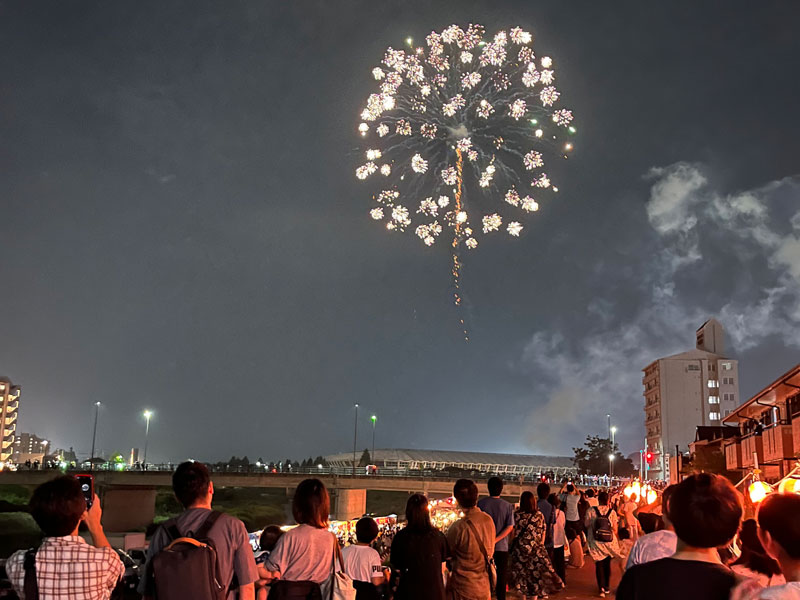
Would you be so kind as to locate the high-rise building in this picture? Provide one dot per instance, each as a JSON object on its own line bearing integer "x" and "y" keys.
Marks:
{"x": 683, "y": 391}
{"x": 28, "y": 446}
{"x": 9, "y": 406}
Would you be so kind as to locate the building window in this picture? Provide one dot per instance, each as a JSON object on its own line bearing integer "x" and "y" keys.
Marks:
{"x": 713, "y": 383}
{"x": 727, "y": 412}
{"x": 713, "y": 399}
{"x": 726, "y": 366}
{"x": 693, "y": 368}
{"x": 713, "y": 416}
{"x": 727, "y": 380}
{"x": 712, "y": 366}
{"x": 728, "y": 397}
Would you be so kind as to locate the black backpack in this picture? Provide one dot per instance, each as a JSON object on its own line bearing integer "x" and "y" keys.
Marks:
{"x": 188, "y": 566}
{"x": 602, "y": 527}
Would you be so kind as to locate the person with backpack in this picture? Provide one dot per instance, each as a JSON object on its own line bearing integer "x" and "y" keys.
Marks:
{"x": 200, "y": 554}
{"x": 601, "y": 533}
{"x": 65, "y": 567}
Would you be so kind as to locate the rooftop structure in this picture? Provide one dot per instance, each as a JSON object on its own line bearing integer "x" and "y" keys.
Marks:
{"x": 485, "y": 462}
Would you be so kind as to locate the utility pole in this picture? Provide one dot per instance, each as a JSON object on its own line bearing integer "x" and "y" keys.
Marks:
{"x": 355, "y": 440}
{"x": 94, "y": 435}
{"x": 374, "y": 420}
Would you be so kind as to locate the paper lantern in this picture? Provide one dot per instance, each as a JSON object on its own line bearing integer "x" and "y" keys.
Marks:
{"x": 758, "y": 491}
{"x": 652, "y": 496}
{"x": 790, "y": 485}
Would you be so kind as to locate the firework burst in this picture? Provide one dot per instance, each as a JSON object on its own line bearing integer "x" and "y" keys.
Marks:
{"x": 460, "y": 130}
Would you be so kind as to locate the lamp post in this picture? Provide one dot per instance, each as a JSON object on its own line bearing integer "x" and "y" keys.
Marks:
{"x": 610, "y": 465}
{"x": 613, "y": 436}
{"x": 374, "y": 420}
{"x": 94, "y": 435}
{"x": 147, "y": 414}
{"x": 355, "y": 439}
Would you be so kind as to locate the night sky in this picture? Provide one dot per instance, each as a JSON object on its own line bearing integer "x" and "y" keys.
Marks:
{"x": 182, "y": 231}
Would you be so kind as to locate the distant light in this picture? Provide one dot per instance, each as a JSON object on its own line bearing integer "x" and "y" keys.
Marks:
{"x": 569, "y": 147}
{"x": 97, "y": 403}
{"x": 571, "y": 129}
{"x": 147, "y": 414}
{"x": 410, "y": 41}
{"x": 611, "y": 457}
{"x": 534, "y": 121}
{"x": 373, "y": 418}
{"x": 613, "y": 429}
{"x": 319, "y": 466}
{"x": 538, "y": 133}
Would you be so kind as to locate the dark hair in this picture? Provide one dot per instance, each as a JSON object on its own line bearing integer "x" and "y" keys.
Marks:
{"x": 311, "y": 504}
{"x": 602, "y": 498}
{"x": 526, "y": 503}
{"x": 366, "y": 530}
{"x": 417, "y": 513}
{"x": 554, "y": 500}
{"x": 650, "y": 522}
{"x": 705, "y": 510}
{"x": 190, "y": 482}
{"x": 542, "y": 490}
{"x": 495, "y": 485}
{"x": 58, "y": 505}
{"x": 590, "y": 493}
{"x": 570, "y": 488}
{"x": 270, "y": 537}
{"x": 623, "y": 533}
{"x": 753, "y": 556}
{"x": 779, "y": 515}
{"x": 665, "y": 496}
{"x": 466, "y": 493}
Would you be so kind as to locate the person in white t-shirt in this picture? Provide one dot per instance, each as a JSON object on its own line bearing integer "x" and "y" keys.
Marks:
{"x": 559, "y": 538}
{"x": 363, "y": 563}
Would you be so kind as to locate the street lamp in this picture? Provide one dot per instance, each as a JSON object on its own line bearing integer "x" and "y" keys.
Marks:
{"x": 147, "y": 414}
{"x": 94, "y": 435}
{"x": 374, "y": 420}
{"x": 611, "y": 465}
{"x": 613, "y": 436}
{"x": 355, "y": 439}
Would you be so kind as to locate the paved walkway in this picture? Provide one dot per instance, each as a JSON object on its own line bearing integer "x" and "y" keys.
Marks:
{"x": 581, "y": 583}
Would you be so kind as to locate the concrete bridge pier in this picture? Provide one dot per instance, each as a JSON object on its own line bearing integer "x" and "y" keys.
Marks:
{"x": 347, "y": 504}
{"x": 128, "y": 508}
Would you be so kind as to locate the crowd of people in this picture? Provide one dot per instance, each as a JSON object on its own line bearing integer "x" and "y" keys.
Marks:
{"x": 691, "y": 544}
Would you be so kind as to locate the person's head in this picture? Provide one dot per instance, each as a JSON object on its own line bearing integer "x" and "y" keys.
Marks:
{"x": 466, "y": 493}
{"x": 417, "y": 513}
{"x": 665, "y": 496}
{"x": 753, "y": 555}
{"x": 779, "y": 526}
{"x": 366, "y": 530}
{"x": 192, "y": 485}
{"x": 58, "y": 505}
{"x": 554, "y": 500}
{"x": 705, "y": 510}
{"x": 570, "y": 488}
{"x": 542, "y": 490}
{"x": 270, "y": 537}
{"x": 602, "y": 498}
{"x": 527, "y": 503}
{"x": 590, "y": 493}
{"x": 649, "y": 522}
{"x": 311, "y": 504}
{"x": 623, "y": 533}
{"x": 495, "y": 485}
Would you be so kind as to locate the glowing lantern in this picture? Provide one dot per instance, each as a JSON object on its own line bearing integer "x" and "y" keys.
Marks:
{"x": 759, "y": 490}
{"x": 651, "y": 496}
{"x": 790, "y": 485}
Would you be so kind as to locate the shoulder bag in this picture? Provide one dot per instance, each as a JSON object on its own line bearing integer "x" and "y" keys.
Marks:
{"x": 340, "y": 583}
{"x": 491, "y": 568}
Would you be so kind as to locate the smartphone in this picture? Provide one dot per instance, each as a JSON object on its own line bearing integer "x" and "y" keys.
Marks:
{"x": 87, "y": 487}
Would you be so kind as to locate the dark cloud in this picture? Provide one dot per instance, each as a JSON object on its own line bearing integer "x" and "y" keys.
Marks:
{"x": 183, "y": 231}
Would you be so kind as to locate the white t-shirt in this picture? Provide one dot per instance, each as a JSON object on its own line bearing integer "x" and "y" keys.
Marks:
{"x": 559, "y": 535}
{"x": 362, "y": 563}
{"x": 572, "y": 507}
{"x": 304, "y": 553}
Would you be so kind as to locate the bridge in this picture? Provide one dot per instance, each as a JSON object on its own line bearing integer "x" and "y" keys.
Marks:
{"x": 128, "y": 497}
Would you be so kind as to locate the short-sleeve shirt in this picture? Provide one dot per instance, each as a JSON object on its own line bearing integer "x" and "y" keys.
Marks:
{"x": 469, "y": 578}
{"x": 571, "y": 502}
{"x": 361, "y": 563}
{"x": 234, "y": 553}
{"x": 502, "y": 514}
{"x": 417, "y": 556}
{"x": 650, "y": 547}
{"x": 304, "y": 553}
{"x": 670, "y": 578}
{"x": 67, "y": 568}
{"x": 547, "y": 512}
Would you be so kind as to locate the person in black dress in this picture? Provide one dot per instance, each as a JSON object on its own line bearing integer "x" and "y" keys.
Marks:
{"x": 417, "y": 554}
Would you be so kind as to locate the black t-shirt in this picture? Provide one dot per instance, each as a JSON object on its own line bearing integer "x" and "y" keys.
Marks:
{"x": 671, "y": 578}
{"x": 417, "y": 556}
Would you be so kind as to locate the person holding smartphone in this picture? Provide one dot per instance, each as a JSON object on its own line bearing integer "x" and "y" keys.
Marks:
{"x": 65, "y": 566}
